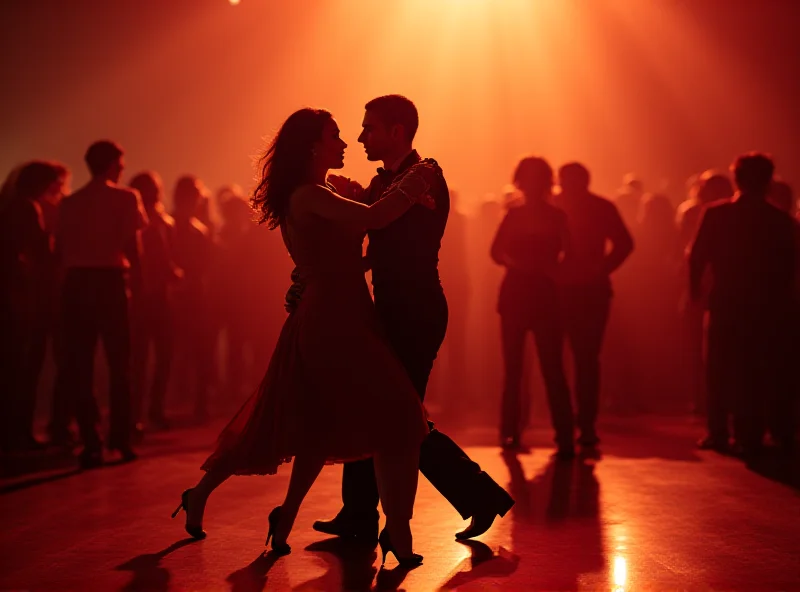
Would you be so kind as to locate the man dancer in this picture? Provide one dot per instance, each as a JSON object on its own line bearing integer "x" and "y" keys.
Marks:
{"x": 413, "y": 310}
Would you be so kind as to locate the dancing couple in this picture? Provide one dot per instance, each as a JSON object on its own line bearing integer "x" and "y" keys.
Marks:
{"x": 348, "y": 375}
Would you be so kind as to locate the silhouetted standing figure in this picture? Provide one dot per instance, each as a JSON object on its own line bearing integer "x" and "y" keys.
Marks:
{"x": 749, "y": 246}
{"x": 213, "y": 324}
{"x": 236, "y": 294}
{"x": 98, "y": 239}
{"x": 782, "y": 196}
{"x": 629, "y": 199}
{"x": 29, "y": 278}
{"x": 152, "y": 315}
{"x": 13, "y": 241}
{"x": 710, "y": 187}
{"x": 486, "y": 364}
{"x": 412, "y": 308}
{"x": 656, "y": 268}
{"x": 530, "y": 243}
{"x": 192, "y": 253}
{"x": 586, "y": 291}
{"x": 455, "y": 279}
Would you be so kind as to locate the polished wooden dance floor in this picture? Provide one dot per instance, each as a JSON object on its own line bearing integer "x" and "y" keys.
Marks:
{"x": 651, "y": 514}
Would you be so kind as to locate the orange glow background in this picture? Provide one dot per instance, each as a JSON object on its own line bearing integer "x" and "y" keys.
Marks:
{"x": 660, "y": 87}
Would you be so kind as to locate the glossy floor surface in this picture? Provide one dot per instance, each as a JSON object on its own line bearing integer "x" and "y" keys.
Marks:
{"x": 650, "y": 514}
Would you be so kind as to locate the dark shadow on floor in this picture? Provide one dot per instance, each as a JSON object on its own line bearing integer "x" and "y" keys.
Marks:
{"x": 641, "y": 436}
{"x": 351, "y": 565}
{"x": 253, "y": 577}
{"x": 390, "y": 579}
{"x": 148, "y": 575}
{"x": 559, "y": 508}
{"x": 483, "y": 563}
{"x": 38, "y": 479}
{"x": 776, "y": 467}
{"x": 43, "y": 461}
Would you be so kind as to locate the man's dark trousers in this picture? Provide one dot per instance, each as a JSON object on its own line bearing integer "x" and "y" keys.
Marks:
{"x": 95, "y": 305}
{"x": 414, "y": 317}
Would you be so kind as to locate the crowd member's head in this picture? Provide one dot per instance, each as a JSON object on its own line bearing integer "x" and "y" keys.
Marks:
{"x": 713, "y": 186}
{"x": 633, "y": 185}
{"x": 227, "y": 191}
{"x": 692, "y": 186}
{"x": 41, "y": 180}
{"x": 235, "y": 211}
{"x": 753, "y": 173}
{"x": 574, "y": 179}
{"x": 105, "y": 161}
{"x": 657, "y": 212}
{"x": 150, "y": 188}
{"x": 534, "y": 178}
{"x": 186, "y": 196}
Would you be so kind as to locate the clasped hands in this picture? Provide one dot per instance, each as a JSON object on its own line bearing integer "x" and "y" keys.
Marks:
{"x": 415, "y": 184}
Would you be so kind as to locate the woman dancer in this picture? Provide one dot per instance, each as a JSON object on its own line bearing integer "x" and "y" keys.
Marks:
{"x": 333, "y": 391}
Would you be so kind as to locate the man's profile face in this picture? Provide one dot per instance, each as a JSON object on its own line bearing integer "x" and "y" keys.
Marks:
{"x": 378, "y": 139}
{"x": 115, "y": 172}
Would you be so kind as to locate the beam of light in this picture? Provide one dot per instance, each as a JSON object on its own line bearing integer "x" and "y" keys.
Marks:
{"x": 617, "y": 84}
{"x": 620, "y": 573}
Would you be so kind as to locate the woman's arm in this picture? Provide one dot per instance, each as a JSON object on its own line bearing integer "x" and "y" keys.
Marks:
{"x": 315, "y": 199}
{"x": 499, "y": 251}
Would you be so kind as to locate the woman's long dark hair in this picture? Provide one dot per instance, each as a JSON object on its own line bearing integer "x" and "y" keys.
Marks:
{"x": 286, "y": 164}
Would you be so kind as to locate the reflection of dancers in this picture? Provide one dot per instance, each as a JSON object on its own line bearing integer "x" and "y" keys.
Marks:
{"x": 562, "y": 496}
{"x": 333, "y": 390}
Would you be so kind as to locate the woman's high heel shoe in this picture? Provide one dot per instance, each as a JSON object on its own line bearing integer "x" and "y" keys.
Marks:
{"x": 387, "y": 547}
{"x": 196, "y": 532}
{"x": 274, "y": 518}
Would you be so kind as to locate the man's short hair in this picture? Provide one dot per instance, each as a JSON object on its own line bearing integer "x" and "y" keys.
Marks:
{"x": 753, "y": 172}
{"x": 574, "y": 174}
{"x": 101, "y": 156}
{"x": 35, "y": 177}
{"x": 396, "y": 110}
{"x": 533, "y": 169}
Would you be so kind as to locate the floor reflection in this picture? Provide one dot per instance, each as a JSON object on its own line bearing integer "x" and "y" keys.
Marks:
{"x": 350, "y": 566}
{"x": 148, "y": 574}
{"x": 253, "y": 577}
{"x": 558, "y": 515}
{"x": 483, "y": 563}
{"x": 620, "y": 573}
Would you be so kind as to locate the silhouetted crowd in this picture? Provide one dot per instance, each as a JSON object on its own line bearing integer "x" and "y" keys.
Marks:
{"x": 634, "y": 305}
{"x": 187, "y": 311}
{"x": 670, "y": 307}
